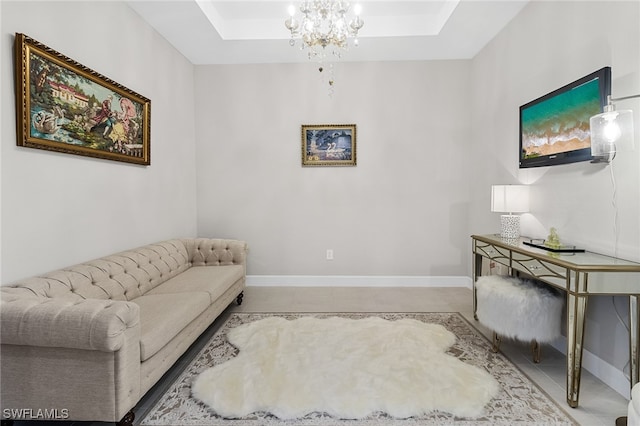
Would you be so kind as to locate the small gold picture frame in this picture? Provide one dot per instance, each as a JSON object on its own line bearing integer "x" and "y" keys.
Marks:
{"x": 329, "y": 145}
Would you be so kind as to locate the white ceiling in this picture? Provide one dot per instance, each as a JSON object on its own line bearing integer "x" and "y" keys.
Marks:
{"x": 244, "y": 31}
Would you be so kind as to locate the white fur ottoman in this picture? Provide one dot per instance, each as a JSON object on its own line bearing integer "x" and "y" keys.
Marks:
{"x": 524, "y": 310}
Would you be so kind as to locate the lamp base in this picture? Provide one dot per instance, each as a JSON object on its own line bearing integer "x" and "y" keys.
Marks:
{"x": 510, "y": 226}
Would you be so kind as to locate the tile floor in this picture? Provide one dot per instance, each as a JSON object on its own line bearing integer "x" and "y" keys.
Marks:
{"x": 599, "y": 404}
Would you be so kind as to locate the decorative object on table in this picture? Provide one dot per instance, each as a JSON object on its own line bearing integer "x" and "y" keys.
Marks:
{"x": 66, "y": 107}
{"x": 525, "y": 310}
{"x": 553, "y": 240}
{"x": 611, "y": 130}
{"x": 510, "y": 199}
{"x": 552, "y": 244}
{"x": 329, "y": 145}
{"x": 324, "y": 30}
{"x": 519, "y": 401}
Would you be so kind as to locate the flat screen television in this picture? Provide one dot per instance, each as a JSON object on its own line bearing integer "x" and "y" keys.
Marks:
{"x": 554, "y": 129}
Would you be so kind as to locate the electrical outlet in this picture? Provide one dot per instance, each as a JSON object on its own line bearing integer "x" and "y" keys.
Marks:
{"x": 329, "y": 254}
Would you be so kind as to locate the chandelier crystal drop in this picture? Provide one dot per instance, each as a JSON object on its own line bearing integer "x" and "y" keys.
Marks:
{"x": 324, "y": 27}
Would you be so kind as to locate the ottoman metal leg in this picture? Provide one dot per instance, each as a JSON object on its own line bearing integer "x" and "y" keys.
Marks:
{"x": 535, "y": 347}
{"x": 496, "y": 342}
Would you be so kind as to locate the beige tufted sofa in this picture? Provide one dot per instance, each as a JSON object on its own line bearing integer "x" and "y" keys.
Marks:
{"x": 88, "y": 341}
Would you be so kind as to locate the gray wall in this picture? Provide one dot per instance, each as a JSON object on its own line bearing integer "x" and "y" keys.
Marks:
{"x": 401, "y": 211}
{"x": 547, "y": 45}
{"x": 60, "y": 209}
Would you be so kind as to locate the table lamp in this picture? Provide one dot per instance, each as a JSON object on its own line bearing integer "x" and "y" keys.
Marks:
{"x": 510, "y": 199}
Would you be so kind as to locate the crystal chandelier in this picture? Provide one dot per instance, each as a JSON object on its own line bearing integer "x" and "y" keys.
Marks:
{"x": 324, "y": 28}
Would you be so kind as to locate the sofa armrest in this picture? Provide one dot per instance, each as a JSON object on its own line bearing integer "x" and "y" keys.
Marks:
{"x": 216, "y": 251}
{"x": 91, "y": 324}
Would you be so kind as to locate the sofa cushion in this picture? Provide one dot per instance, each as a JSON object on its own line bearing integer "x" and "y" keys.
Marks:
{"x": 214, "y": 280}
{"x": 163, "y": 316}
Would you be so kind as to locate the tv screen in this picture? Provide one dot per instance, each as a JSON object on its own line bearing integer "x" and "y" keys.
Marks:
{"x": 554, "y": 129}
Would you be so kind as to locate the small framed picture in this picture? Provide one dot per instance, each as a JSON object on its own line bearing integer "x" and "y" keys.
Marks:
{"x": 329, "y": 145}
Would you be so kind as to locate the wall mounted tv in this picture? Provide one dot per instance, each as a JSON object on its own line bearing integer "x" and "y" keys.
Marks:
{"x": 554, "y": 129}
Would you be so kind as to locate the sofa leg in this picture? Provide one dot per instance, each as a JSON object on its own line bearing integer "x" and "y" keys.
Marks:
{"x": 239, "y": 298}
{"x": 127, "y": 420}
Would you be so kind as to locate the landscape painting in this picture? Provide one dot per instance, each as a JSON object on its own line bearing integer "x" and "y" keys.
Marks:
{"x": 329, "y": 145}
{"x": 66, "y": 107}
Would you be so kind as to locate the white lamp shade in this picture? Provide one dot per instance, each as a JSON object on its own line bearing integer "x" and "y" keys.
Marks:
{"x": 510, "y": 198}
{"x": 611, "y": 131}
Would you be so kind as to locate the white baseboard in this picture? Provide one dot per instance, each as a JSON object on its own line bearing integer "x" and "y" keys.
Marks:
{"x": 610, "y": 375}
{"x": 355, "y": 281}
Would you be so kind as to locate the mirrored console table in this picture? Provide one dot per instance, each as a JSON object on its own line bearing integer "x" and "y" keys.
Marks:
{"x": 579, "y": 275}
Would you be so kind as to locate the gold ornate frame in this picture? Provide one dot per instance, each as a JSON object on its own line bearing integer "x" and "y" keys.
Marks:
{"x": 329, "y": 144}
{"x": 64, "y": 106}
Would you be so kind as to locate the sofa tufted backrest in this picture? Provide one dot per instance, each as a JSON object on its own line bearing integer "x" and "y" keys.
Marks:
{"x": 121, "y": 276}
{"x": 215, "y": 251}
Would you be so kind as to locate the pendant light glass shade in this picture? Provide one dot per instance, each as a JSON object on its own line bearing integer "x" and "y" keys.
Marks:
{"x": 610, "y": 131}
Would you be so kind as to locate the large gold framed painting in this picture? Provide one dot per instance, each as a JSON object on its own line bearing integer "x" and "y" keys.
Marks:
{"x": 64, "y": 106}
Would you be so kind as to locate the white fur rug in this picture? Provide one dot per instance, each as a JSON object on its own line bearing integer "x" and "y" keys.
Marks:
{"x": 347, "y": 368}
{"x": 519, "y": 401}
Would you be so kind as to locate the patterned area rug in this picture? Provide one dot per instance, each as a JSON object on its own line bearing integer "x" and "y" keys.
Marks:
{"x": 519, "y": 401}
